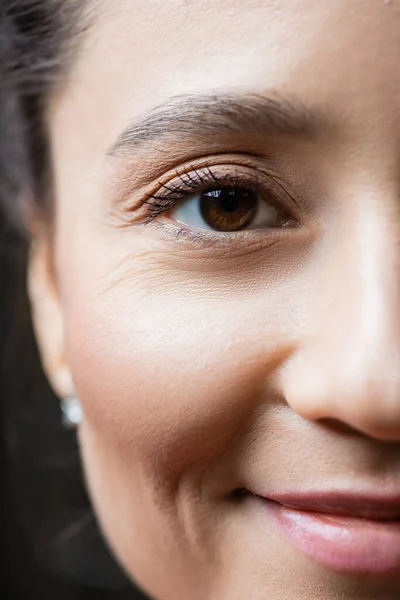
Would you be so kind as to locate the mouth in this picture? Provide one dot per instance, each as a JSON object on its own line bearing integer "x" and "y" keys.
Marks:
{"x": 349, "y": 533}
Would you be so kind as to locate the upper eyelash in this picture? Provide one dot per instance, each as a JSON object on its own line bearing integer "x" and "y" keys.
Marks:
{"x": 169, "y": 194}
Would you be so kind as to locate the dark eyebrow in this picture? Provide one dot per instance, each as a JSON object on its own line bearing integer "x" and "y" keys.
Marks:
{"x": 208, "y": 115}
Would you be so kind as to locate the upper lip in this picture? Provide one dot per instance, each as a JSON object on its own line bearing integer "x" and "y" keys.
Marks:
{"x": 366, "y": 506}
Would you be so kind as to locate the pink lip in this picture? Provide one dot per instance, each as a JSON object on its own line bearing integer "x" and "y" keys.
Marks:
{"x": 348, "y": 533}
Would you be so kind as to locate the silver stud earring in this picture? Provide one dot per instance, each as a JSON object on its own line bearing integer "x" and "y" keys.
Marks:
{"x": 71, "y": 412}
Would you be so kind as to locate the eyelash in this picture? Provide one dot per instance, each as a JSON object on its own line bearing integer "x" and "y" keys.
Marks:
{"x": 202, "y": 180}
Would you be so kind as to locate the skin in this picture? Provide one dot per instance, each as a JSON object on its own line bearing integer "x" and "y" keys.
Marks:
{"x": 269, "y": 360}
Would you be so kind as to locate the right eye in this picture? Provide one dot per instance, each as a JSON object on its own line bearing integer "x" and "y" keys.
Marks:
{"x": 228, "y": 209}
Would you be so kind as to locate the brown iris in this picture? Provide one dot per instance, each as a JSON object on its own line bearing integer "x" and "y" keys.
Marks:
{"x": 229, "y": 208}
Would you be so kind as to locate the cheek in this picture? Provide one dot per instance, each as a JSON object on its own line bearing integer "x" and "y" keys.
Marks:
{"x": 167, "y": 377}
{"x": 162, "y": 382}
{"x": 169, "y": 367}
{"x": 165, "y": 385}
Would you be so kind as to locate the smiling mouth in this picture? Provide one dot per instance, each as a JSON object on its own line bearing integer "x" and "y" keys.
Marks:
{"x": 349, "y": 533}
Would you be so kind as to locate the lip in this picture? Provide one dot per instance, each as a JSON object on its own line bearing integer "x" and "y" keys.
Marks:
{"x": 350, "y": 533}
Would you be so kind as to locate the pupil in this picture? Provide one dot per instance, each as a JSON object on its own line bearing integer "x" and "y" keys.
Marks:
{"x": 229, "y": 200}
{"x": 229, "y": 208}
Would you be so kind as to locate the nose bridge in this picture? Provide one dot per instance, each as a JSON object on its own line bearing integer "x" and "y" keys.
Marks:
{"x": 350, "y": 370}
{"x": 370, "y": 304}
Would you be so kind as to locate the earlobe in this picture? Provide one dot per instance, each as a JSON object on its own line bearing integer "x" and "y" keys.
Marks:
{"x": 47, "y": 317}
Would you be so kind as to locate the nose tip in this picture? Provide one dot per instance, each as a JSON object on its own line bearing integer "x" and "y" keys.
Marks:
{"x": 363, "y": 399}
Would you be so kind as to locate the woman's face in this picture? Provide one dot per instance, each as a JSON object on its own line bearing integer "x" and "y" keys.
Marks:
{"x": 226, "y": 292}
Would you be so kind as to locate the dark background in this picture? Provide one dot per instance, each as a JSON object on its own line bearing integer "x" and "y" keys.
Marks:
{"x": 51, "y": 545}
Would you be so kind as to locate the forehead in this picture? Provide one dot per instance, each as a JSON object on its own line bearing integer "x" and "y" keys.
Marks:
{"x": 340, "y": 56}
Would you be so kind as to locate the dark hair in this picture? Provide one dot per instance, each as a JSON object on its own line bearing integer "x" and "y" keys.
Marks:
{"x": 41, "y": 467}
{"x": 37, "y": 43}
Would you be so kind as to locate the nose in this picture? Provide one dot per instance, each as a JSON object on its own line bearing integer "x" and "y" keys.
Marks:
{"x": 347, "y": 366}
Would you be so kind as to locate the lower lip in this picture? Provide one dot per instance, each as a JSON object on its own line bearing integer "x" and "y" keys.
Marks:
{"x": 342, "y": 543}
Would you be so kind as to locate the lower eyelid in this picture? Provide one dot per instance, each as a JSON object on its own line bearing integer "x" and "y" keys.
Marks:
{"x": 226, "y": 244}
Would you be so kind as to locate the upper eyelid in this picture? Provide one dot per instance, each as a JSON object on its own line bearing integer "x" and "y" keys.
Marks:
{"x": 181, "y": 175}
{"x": 183, "y": 187}
{"x": 258, "y": 177}
{"x": 200, "y": 183}
{"x": 127, "y": 184}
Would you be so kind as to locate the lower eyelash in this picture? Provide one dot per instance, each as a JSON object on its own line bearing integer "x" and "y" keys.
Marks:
{"x": 204, "y": 238}
{"x": 246, "y": 241}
